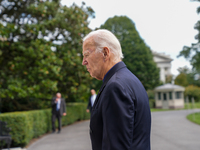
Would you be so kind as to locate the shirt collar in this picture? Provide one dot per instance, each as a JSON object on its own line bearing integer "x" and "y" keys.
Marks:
{"x": 109, "y": 71}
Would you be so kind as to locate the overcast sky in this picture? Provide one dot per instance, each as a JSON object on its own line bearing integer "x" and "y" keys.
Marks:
{"x": 165, "y": 25}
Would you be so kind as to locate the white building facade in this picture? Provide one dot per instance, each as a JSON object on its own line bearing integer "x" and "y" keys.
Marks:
{"x": 163, "y": 62}
{"x": 169, "y": 96}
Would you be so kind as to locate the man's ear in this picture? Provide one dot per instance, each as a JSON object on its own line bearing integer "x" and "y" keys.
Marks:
{"x": 106, "y": 52}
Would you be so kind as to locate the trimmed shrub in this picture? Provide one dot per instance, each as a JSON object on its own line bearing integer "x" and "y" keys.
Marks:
{"x": 27, "y": 125}
{"x": 21, "y": 127}
{"x": 151, "y": 98}
{"x": 152, "y": 103}
{"x": 192, "y": 91}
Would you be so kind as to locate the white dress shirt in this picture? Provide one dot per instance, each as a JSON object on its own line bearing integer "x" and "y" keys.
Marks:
{"x": 93, "y": 97}
{"x": 58, "y": 105}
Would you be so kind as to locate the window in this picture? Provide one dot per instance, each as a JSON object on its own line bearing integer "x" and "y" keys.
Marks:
{"x": 170, "y": 95}
{"x": 178, "y": 95}
{"x": 159, "y": 95}
{"x": 164, "y": 96}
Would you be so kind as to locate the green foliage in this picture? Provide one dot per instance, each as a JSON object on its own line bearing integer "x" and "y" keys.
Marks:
{"x": 150, "y": 94}
{"x": 169, "y": 79}
{"x": 40, "y": 50}
{"x": 151, "y": 98}
{"x": 137, "y": 55}
{"x": 31, "y": 124}
{"x": 21, "y": 127}
{"x": 193, "y": 78}
{"x": 191, "y": 105}
{"x": 40, "y": 120}
{"x": 195, "y": 117}
{"x": 187, "y": 106}
{"x": 181, "y": 79}
{"x": 78, "y": 81}
{"x": 187, "y": 79}
{"x": 192, "y": 91}
{"x": 156, "y": 109}
{"x": 192, "y": 52}
{"x": 152, "y": 103}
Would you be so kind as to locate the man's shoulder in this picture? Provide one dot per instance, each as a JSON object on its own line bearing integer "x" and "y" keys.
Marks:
{"x": 123, "y": 76}
{"x": 124, "y": 79}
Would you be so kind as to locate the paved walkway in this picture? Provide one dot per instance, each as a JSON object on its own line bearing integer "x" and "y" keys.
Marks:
{"x": 170, "y": 131}
{"x": 72, "y": 137}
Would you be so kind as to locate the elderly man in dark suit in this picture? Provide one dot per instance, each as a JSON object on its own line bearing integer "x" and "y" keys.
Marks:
{"x": 120, "y": 117}
{"x": 58, "y": 110}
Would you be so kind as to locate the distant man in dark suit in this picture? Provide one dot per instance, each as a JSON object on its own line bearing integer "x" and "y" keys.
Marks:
{"x": 58, "y": 110}
{"x": 120, "y": 118}
{"x": 91, "y": 100}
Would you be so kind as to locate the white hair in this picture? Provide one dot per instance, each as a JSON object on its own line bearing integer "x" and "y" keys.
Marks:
{"x": 104, "y": 38}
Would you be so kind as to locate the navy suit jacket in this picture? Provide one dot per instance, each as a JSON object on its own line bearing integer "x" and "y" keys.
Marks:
{"x": 121, "y": 118}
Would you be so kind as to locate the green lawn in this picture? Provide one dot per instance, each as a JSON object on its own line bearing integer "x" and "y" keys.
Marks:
{"x": 195, "y": 117}
{"x": 187, "y": 106}
{"x": 192, "y": 106}
{"x": 155, "y": 109}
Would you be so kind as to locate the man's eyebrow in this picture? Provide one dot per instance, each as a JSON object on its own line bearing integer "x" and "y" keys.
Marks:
{"x": 87, "y": 51}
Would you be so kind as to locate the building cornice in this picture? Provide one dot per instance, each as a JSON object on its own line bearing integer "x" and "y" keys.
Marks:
{"x": 166, "y": 58}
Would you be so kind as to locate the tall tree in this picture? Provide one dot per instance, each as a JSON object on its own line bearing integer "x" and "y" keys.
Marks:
{"x": 40, "y": 45}
{"x": 192, "y": 53}
{"x": 187, "y": 77}
{"x": 181, "y": 79}
{"x": 74, "y": 81}
{"x": 137, "y": 55}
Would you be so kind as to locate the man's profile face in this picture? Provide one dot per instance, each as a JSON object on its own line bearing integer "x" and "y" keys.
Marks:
{"x": 92, "y": 60}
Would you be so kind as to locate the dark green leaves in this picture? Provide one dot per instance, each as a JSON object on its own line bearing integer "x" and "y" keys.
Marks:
{"x": 40, "y": 46}
{"x": 137, "y": 55}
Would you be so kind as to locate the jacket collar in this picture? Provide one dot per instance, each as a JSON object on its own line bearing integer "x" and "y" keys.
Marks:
{"x": 109, "y": 74}
{"x": 112, "y": 71}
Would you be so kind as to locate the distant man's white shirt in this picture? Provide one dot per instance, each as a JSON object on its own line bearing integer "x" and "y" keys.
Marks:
{"x": 93, "y": 97}
{"x": 58, "y": 104}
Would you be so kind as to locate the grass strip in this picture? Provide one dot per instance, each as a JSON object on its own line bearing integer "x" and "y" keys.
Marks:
{"x": 194, "y": 117}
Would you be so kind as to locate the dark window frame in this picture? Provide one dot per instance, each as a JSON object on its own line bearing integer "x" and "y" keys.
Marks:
{"x": 159, "y": 95}
{"x": 165, "y": 96}
{"x": 178, "y": 95}
{"x": 170, "y": 96}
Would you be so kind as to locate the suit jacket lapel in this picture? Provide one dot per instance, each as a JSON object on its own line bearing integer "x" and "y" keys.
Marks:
{"x": 110, "y": 73}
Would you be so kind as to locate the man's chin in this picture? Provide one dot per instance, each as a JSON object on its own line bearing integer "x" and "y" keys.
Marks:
{"x": 96, "y": 77}
{"x": 93, "y": 76}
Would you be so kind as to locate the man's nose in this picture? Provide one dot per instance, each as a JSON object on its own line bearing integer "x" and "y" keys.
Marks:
{"x": 84, "y": 62}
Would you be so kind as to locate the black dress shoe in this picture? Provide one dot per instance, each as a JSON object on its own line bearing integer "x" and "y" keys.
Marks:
{"x": 58, "y": 132}
{"x": 53, "y": 132}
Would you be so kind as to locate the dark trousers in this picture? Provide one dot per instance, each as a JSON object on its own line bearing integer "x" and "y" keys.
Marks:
{"x": 54, "y": 116}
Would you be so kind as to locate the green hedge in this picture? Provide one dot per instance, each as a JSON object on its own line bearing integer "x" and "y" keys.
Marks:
{"x": 152, "y": 103}
{"x": 192, "y": 91}
{"x": 27, "y": 125}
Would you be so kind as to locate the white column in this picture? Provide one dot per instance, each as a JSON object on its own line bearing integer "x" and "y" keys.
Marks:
{"x": 162, "y": 74}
